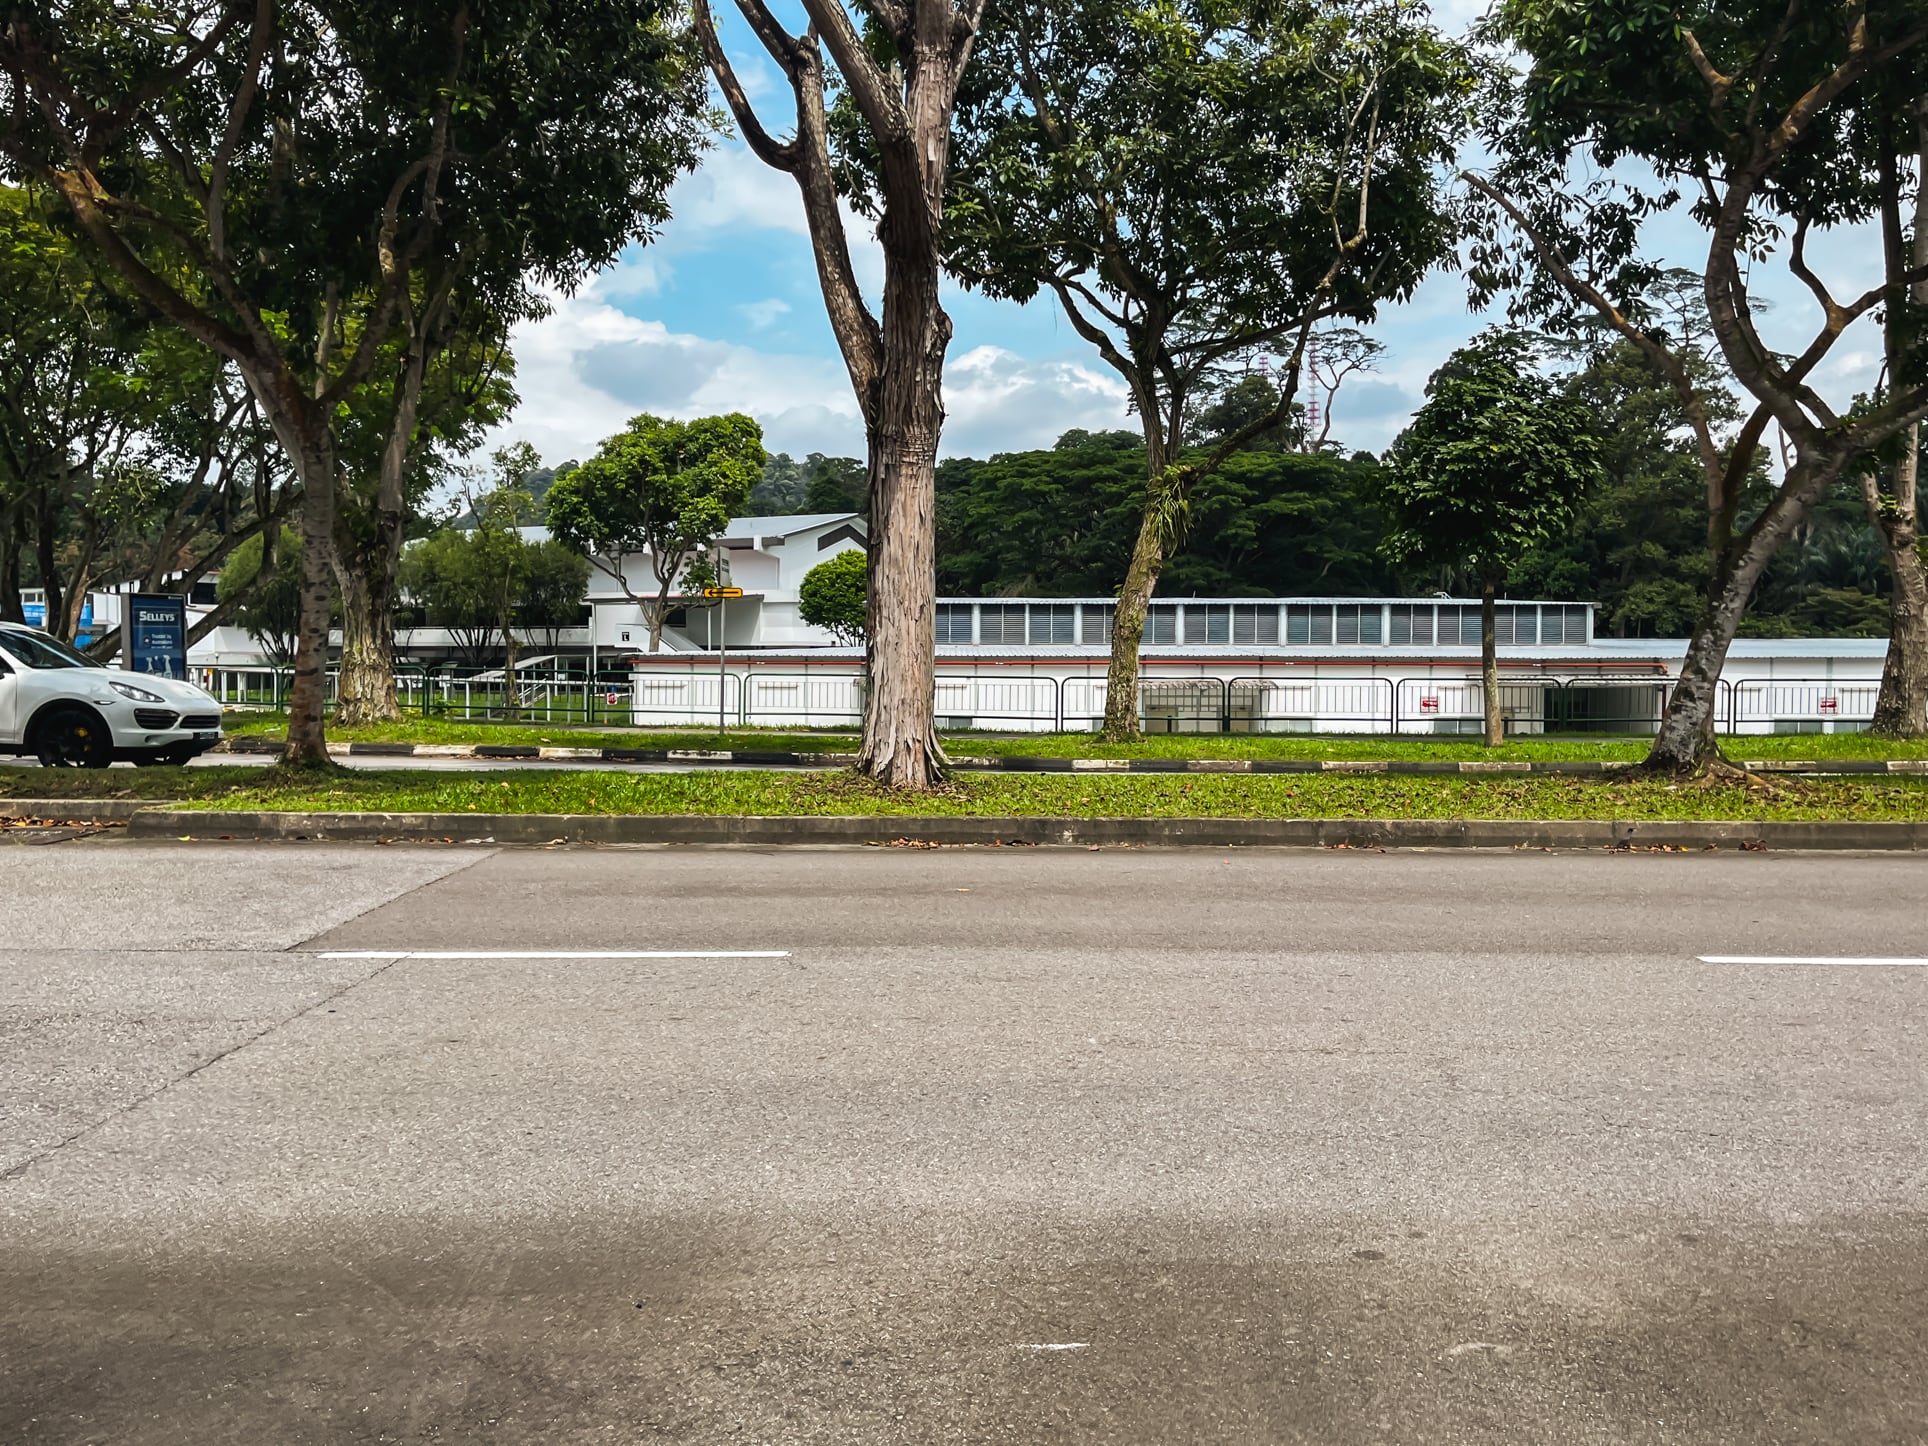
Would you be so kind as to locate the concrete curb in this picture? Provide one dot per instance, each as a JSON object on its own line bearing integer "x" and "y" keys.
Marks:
{"x": 752, "y": 758}
{"x": 152, "y": 822}
{"x": 81, "y": 810}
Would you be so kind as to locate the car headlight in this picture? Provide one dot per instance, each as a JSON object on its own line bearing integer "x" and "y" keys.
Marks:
{"x": 138, "y": 695}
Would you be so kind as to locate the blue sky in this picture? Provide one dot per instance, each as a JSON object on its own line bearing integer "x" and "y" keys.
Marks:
{"x": 722, "y": 313}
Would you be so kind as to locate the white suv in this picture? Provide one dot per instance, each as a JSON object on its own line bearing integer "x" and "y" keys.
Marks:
{"x": 71, "y": 713}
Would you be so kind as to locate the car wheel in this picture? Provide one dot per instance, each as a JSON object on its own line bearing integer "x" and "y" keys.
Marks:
{"x": 73, "y": 738}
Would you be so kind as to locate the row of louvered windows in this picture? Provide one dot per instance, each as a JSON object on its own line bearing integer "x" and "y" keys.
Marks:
{"x": 1345, "y": 625}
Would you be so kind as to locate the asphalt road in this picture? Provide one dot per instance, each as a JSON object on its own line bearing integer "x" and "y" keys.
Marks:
{"x": 958, "y": 1146}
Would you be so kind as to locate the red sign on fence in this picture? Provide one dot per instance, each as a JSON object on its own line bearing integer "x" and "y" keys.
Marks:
{"x": 612, "y": 698}
{"x": 1828, "y": 705}
{"x": 1429, "y": 705}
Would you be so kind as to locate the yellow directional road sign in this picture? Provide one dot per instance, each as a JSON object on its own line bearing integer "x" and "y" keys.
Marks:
{"x": 722, "y": 592}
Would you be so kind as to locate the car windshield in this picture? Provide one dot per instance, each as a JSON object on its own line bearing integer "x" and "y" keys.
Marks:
{"x": 38, "y": 651}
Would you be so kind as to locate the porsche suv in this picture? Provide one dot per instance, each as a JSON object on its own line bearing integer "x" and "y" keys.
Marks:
{"x": 72, "y": 713}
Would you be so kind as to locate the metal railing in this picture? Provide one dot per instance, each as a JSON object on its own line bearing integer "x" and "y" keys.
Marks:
{"x": 1254, "y": 704}
{"x": 1802, "y": 705}
{"x": 801, "y": 700}
{"x": 1590, "y": 704}
{"x": 1302, "y": 705}
{"x": 972, "y": 702}
{"x": 542, "y": 696}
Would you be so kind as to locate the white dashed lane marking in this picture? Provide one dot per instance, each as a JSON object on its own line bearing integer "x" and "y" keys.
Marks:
{"x": 1823, "y": 959}
{"x": 556, "y": 954}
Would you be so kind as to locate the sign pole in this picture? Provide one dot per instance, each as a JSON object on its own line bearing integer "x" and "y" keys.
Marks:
{"x": 722, "y": 596}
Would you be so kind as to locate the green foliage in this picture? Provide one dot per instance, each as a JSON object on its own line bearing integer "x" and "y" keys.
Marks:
{"x": 269, "y": 610}
{"x": 457, "y": 577}
{"x": 1062, "y": 523}
{"x": 555, "y": 581}
{"x": 662, "y": 487}
{"x": 1190, "y": 179}
{"x": 563, "y": 126}
{"x": 816, "y": 484}
{"x": 837, "y": 484}
{"x": 834, "y": 595}
{"x": 1638, "y": 543}
{"x": 779, "y": 492}
{"x": 1190, "y": 151}
{"x": 1494, "y": 464}
{"x": 476, "y": 581}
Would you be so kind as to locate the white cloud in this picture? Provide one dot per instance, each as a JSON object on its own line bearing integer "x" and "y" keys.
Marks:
{"x": 588, "y": 367}
{"x": 642, "y": 271}
{"x": 763, "y": 314}
{"x": 733, "y": 190}
{"x": 997, "y": 401}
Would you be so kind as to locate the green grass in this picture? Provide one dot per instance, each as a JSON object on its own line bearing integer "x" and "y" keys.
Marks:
{"x": 995, "y": 795}
{"x": 1084, "y": 745}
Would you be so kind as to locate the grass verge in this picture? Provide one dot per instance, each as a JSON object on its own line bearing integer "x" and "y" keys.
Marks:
{"x": 993, "y": 795}
{"x": 1084, "y": 745}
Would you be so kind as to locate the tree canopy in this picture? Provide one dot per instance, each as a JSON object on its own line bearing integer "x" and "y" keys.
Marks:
{"x": 834, "y": 595}
{"x": 662, "y": 489}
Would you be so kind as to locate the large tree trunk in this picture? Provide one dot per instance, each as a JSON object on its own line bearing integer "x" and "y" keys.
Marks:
{"x": 1489, "y": 663}
{"x": 1686, "y": 742}
{"x": 1901, "y": 710}
{"x": 900, "y": 746}
{"x": 366, "y": 693}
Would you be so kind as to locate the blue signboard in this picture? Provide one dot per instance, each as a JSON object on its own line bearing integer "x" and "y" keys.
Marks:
{"x": 35, "y": 616}
{"x": 154, "y": 634}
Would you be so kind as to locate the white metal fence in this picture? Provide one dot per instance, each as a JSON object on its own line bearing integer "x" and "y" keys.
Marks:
{"x": 755, "y": 697}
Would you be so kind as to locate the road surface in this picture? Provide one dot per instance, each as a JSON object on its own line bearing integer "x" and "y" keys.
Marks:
{"x": 959, "y": 1146}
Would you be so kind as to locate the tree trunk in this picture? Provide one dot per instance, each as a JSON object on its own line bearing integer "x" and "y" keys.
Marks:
{"x": 45, "y": 537}
{"x": 1686, "y": 742}
{"x": 11, "y": 609}
{"x": 1122, "y": 724}
{"x": 1901, "y": 710}
{"x": 1489, "y": 663}
{"x": 656, "y": 611}
{"x": 367, "y": 690}
{"x": 900, "y": 747}
{"x": 367, "y": 572}
{"x": 511, "y": 701}
{"x": 313, "y": 456}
